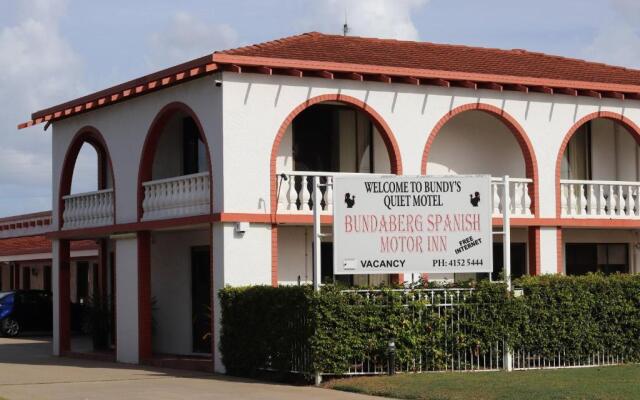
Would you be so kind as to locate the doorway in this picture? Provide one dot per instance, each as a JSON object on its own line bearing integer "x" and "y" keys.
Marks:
{"x": 26, "y": 278}
{"x": 201, "y": 299}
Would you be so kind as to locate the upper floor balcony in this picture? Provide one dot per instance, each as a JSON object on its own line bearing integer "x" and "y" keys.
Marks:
{"x": 175, "y": 176}
{"x": 296, "y": 188}
{"x": 599, "y": 172}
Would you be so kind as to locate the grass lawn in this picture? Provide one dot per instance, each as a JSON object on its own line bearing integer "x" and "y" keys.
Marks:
{"x": 619, "y": 382}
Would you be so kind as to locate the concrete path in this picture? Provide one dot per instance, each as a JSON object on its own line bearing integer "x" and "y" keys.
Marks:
{"x": 28, "y": 371}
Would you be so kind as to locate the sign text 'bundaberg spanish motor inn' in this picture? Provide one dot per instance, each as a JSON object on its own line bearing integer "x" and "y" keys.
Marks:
{"x": 397, "y": 224}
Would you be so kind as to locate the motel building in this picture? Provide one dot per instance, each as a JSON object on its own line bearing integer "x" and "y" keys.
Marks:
{"x": 205, "y": 170}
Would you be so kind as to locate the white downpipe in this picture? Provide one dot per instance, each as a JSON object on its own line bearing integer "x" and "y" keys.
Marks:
{"x": 317, "y": 234}
{"x": 506, "y": 257}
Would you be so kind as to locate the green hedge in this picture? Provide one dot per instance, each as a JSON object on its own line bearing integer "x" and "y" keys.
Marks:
{"x": 295, "y": 329}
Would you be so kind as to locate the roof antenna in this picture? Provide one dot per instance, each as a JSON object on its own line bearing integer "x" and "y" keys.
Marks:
{"x": 345, "y": 27}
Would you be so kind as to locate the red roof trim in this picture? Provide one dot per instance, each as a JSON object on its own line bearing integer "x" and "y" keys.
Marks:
{"x": 419, "y": 73}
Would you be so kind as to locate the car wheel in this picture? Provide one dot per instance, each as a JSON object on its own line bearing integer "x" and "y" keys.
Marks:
{"x": 10, "y": 327}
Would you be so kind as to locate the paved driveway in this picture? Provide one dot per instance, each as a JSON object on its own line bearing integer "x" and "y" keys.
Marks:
{"x": 28, "y": 371}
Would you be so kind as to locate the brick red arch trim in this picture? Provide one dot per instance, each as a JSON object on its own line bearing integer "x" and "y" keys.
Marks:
{"x": 387, "y": 135}
{"x": 629, "y": 125}
{"x": 531, "y": 163}
{"x": 92, "y": 136}
{"x": 151, "y": 144}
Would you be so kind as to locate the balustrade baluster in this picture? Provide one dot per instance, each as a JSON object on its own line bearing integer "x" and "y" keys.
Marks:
{"x": 592, "y": 199}
{"x": 563, "y": 199}
{"x": 630, "y": 202}
{"x": 292, "y": 195}
{"x": 583, "y": 199}
{"x": 496, "y": 198}
{"x": 305, "y": 195}
{"x": 527, "y": 199}
{"x": 611, "y": 201}
{"x": 328, "y": 195}
{"x": 573, "y": 201}
{"x": 517, "y": 198}
{"x": 602, "y": 201}
{"x": 621, "y": 202}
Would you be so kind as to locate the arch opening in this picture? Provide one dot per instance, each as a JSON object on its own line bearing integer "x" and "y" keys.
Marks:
{"x": 324, "y": 136}
{"x": 86, "y": 192}
{"x": 175, "y": 169}
{"x": 597, "y": 171}
{"x": 483, "y": 139}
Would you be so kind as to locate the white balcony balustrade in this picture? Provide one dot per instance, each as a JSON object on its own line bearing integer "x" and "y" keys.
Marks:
{"x": 89, "y": 209}
{"x": 519, "y": 197}
{"x": 295, "y": 188}
{"x": 599, "y": 199}
{"x": 177, "y": 197}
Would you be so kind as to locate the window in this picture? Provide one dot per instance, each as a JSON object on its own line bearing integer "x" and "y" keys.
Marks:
{"x": 576, "y": 160}
{"x": 609, "y": 258}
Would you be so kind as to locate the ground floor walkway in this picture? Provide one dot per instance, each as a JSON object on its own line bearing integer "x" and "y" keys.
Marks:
{"x": 29, "y": 371}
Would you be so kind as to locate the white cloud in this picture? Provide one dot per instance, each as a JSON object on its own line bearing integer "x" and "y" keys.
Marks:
{"x": 39, "y": 68}
{"x": 376, "y": 18}
{"x": 617, "y": 41}
{"x": 186, "y": 38}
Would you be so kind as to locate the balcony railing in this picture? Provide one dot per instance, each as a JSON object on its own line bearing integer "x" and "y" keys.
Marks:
{"x": 599, "y": 199}
{"x": 294, "y": 194}
{"x": 181, "y": 196}
{"x": 89, "y": 209}
{"x": 519, "y": 197}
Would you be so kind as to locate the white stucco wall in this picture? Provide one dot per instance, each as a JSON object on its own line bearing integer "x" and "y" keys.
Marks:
{"x": 171, "y": 289}
{"x": 476, "y": 143}
{"x": 411, "y": 113}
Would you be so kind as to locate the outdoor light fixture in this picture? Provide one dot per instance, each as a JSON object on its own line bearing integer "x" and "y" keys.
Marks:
{"x": 391, "y": 351}
{"x": 218, "y": 82}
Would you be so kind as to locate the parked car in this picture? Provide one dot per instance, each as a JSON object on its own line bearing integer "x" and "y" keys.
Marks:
{"x": 25, "y": 310}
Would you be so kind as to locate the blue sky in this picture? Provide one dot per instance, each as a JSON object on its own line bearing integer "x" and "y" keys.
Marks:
{"x": 56, "y": 50}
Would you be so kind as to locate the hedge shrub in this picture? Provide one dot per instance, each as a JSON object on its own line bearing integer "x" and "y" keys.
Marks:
{"x": 291, "y": 328}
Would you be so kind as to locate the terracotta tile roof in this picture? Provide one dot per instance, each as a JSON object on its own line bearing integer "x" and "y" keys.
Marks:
{"x": 387, "y": 60}
{"x": 38, "y": 244}
{"x": 431, "y": 56}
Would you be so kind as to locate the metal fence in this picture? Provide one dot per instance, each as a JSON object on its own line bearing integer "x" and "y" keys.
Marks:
{"x": 453, "y": 307}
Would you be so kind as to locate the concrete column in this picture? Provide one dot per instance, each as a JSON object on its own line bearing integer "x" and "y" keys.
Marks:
{"x": 550, "y": 252}
{"x": 60, "y": 287}
{"x": 144, "y": 296}
{"x": 127, "y": 332}
{"x": 217, "y": 258}
{"x": 534, "y": 250}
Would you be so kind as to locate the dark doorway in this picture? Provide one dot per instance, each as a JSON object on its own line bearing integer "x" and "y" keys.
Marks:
{"x": 46, "y": 279}
{"x": 82, "y": 282}
{"x": 518, "y": 260}
{"x": 201, "y": 299}
{"x": 326, "y": 267}
{"x": 26, "y": 278}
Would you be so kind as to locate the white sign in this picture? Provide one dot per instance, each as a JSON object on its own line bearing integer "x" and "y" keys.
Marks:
{"x": 398, "y": 224}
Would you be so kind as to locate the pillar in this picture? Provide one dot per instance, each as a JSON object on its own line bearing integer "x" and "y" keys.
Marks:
{"x": 144, "y": 296}
{"x": 61, "y": 292}
{"x": 127, "y": 299}
{"x": 534, "y": 250}
{"x": 551, "y": 258}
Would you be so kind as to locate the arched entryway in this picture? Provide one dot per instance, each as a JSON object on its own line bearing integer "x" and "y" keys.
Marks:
{"x": 322, "y": 137}
{"x": 85, "y": 285}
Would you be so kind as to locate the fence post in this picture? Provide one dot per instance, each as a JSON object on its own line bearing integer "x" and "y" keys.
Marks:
{"x": 506, "y": 258}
